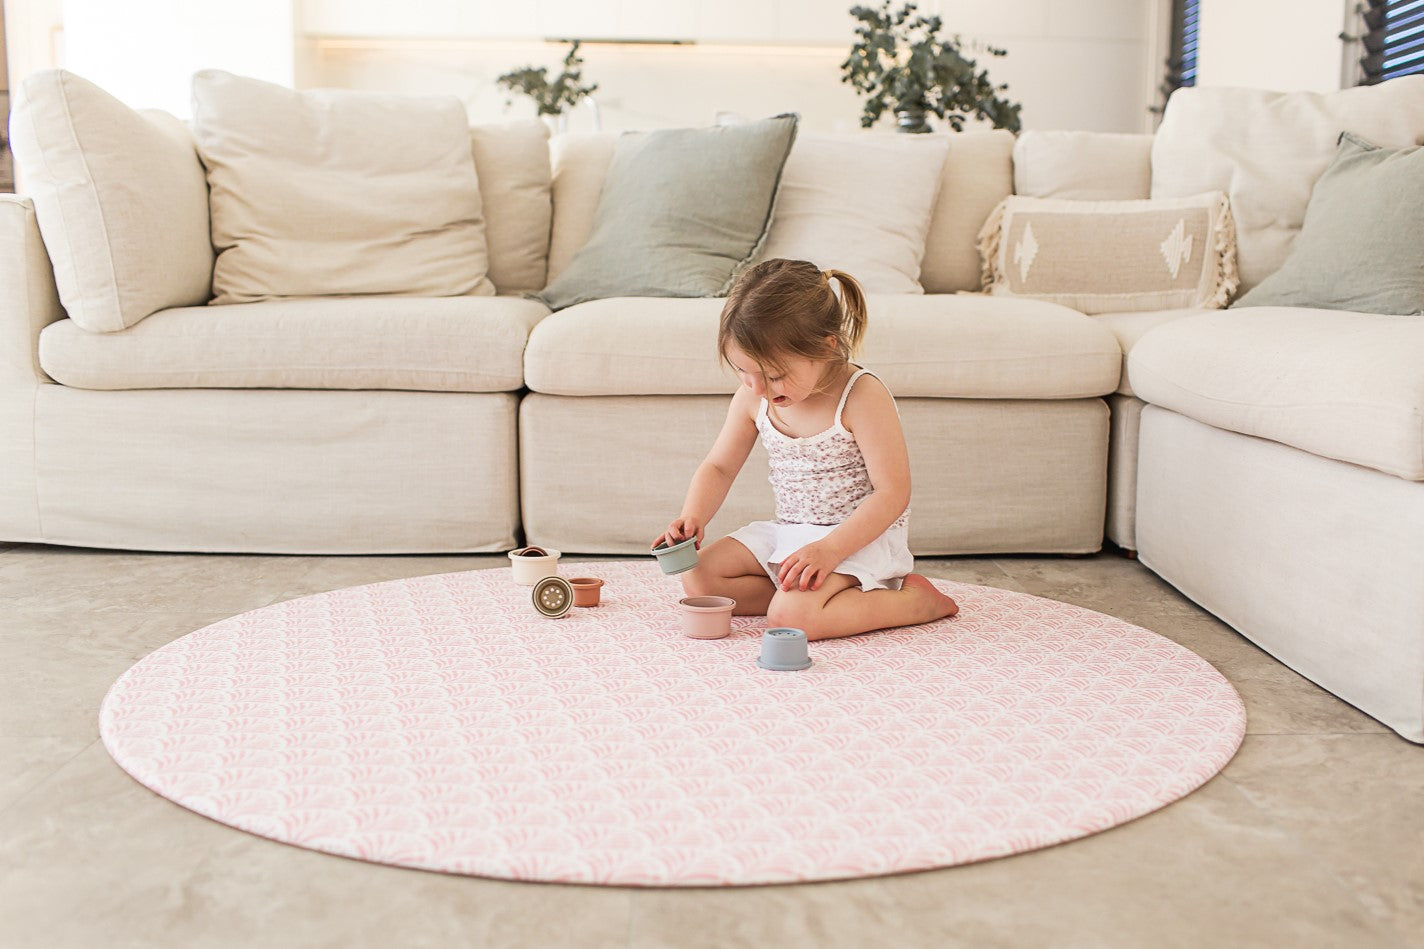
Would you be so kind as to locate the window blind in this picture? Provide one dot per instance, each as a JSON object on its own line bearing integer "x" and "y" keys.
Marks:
{"x": 1181, "y": 51}
{"x": 1393, "y": 39}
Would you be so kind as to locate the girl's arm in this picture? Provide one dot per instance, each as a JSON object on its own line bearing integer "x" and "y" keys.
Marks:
{"x": 714, "y": 477}
{"x": 870, "y": 416}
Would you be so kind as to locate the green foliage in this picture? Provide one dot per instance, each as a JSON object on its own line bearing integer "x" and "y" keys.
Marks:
{"x": 901, "y": 63}
{"x": 551, "y": 97}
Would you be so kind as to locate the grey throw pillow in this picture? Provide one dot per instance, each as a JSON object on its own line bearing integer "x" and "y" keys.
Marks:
{"x": 1358, "y": 248}
{"x": 682, "y": 211}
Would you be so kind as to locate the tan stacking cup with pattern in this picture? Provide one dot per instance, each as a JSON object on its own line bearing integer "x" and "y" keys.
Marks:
{"x": 552, "y": 597}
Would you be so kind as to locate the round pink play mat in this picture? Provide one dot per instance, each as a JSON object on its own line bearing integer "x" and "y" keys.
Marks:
{"x": 442, "y": 723}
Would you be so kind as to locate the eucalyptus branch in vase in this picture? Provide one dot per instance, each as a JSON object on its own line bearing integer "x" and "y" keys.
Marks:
{"x": 901, "y": 63}
{"x": 553, "y": 97}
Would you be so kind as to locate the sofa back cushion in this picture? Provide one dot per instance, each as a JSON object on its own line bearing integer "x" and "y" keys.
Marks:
{"x": 580, "y": 163}
{"x": 860, "y": 203}
{"x": 1266, "y": 150}
{"x": 120, "y": 199}
{"x": 977, "y": 175}
{"x": 512, "y": 163}
{"x": 1083, "y": 166}
{"x": 336, "y": 192}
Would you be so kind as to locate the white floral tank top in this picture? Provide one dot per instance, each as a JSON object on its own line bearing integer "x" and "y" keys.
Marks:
{"x": 819, "y": 479}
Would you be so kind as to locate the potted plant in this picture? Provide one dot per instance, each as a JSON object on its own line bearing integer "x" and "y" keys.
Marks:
{"x": 900, "y": 62}
{"x": 553, "y": 97}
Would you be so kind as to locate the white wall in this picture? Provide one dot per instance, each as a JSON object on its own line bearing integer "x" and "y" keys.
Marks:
{"x": 33, "y": 37}
{"x": 1272, "y": 44}
{"x": 1087, "y": 64}
{"x": 1072, "y": 63}
{"x": 145, "y": 51}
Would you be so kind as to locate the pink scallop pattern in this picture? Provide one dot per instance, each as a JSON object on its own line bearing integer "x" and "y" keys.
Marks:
{"x": 442, "y": 723}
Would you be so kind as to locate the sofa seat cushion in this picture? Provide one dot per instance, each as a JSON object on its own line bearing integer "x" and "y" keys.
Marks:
{"x": 1341, "y": 385}
{"x": 938, "y": 345}
{"x": 436, "y": 344}
{"x": 1130, "y": 327}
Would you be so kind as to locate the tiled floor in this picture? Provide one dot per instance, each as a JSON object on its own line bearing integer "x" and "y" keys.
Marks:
{"x": 1312, "y": 836}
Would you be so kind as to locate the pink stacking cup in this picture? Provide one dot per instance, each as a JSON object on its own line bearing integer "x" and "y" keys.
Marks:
{"x": 707, "y": 617}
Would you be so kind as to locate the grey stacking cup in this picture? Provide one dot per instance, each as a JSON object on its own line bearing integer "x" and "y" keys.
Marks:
{"x": 677, "y": 558}
{"x": 783, "y": 649}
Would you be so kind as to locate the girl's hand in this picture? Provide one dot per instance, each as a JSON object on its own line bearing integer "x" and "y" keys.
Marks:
{"x": 808, "y": 568}
{"x": 679, "y": 530}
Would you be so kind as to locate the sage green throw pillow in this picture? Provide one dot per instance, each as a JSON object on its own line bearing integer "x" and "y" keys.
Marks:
{"x": 682, "y": 211}
{"x": 1358, "y": 248}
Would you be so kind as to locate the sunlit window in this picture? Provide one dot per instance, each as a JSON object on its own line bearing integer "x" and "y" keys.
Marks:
{"x": 1393, "y": 39}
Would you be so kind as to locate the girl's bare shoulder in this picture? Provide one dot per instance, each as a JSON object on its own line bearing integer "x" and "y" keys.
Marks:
{"x": 869, "y": 402}
{"x": 745, "y": 403}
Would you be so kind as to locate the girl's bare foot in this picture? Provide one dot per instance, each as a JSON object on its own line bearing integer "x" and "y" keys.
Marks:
{"x": 937, "y": 605}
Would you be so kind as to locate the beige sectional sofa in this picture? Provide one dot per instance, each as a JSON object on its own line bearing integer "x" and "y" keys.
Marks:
{"x": 1269, "y": 463}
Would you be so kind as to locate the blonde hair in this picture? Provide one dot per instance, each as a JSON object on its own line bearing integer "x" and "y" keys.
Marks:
{"x": 783, "y": 308}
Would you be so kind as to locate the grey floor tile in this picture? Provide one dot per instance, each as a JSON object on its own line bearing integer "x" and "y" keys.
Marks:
{"x": 67, "y": 579}
{"x": 1106, "y": 582}
{"x": 1355, "y": 802}
{"x": 26, "y": 761}
{"x": 1209, "y": 870}
{"x": 334, "y": 573}
{"x": 59, "y": 665}
{"x": 983, "y": 571}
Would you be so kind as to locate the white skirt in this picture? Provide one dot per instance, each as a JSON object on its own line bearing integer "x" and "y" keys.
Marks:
{"x": 881, "y": 564}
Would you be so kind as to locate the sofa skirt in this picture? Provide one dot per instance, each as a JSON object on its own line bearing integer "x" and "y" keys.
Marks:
{"x": 1316, "y": 561}
{"x": 605, "y": 474}
{"x": 267, "y": 470}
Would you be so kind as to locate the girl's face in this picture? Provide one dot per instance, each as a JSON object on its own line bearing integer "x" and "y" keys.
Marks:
{"x": 799, "y": 378}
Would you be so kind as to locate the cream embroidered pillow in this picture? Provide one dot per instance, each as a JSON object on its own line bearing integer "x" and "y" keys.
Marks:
{"x": 334, "y": 192}
{"x": 1112, "y": 256}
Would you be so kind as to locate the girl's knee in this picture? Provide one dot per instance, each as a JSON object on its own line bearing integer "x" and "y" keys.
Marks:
{"x": 787, "y": 609}
{"x": 698, "y": 582}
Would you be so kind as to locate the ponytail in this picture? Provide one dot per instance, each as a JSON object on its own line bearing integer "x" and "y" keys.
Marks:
{"x": 853, "y": 310}
{"x": 781, "y": 308}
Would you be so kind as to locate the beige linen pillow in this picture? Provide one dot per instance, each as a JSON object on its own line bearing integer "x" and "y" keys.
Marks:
{"x": 120, "y": 199}
{"x": 978, "y": 174}
{"x": 859, "y": 203}
{"x": 512, "y": 162}
{"x": 1112, "y": 256}
{"x": 336, "y": 192}
{"x": 580, "y": 161}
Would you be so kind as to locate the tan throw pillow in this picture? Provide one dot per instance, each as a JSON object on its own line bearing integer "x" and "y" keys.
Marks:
{"x": 1112, "y": 256}
{"x": 331, "y": 192}
{"x": 120, "y": 199}
{"x": 859, "y": 203}
{"x": 512, "y": 162}
{"x": 978, "y": 174}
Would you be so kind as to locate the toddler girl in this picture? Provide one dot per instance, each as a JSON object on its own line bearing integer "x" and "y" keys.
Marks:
{"x": 835, "y": 562}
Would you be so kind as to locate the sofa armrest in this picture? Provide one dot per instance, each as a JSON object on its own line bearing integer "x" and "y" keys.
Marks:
{"x": 29, "y": 300}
